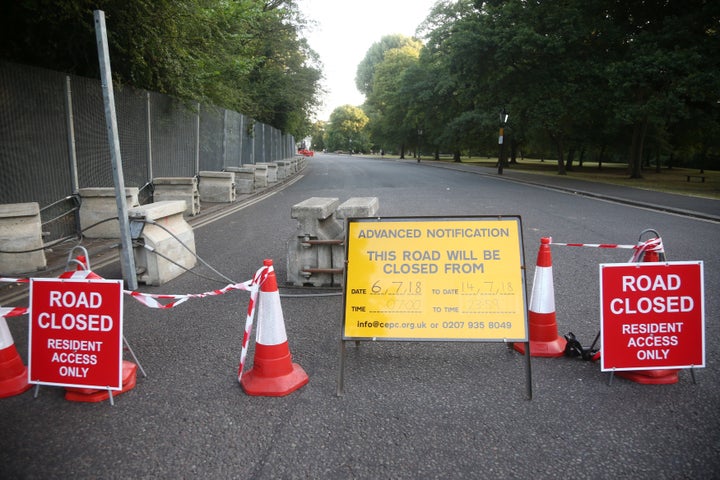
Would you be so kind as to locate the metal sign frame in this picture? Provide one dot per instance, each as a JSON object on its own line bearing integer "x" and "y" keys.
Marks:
{"x": 450, "y": 278}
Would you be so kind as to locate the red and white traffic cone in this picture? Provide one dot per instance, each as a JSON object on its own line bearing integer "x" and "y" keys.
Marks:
{"x": 92, "y": 395}
{"x": 542, "y": 324}
{"x": 13, "y": 373}
{"x": 273, "y": 374}
{"x": 666, "y": 376}
{"x": 129, "y": 369}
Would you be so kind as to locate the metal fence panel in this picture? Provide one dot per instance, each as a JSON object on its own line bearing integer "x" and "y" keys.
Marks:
{"x": 248, "y": 140}
{"x": 53, "y": 140}
{"x": 212, "y": 130}
{"x": 34, "y": 147}
{"x": 233, "y": 139}
{"x": 173, "y": 128}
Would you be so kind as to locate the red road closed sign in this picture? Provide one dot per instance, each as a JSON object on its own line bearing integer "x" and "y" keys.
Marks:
{"x": 76, "y": 333}
{"x": 652, "y": 315}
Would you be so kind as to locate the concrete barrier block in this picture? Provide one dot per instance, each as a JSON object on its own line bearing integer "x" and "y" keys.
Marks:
{"x": 358, "y": 207}
{"x": 168, "y": 235}
{"x": 21, "y": 229}
{"x": 178, "y": 188}
{"x": 315, "y": 217}
{"x": 216, "y": 187}
{"x": 261, "y": 175}
{"x": 272, "y": 168}
{"x": 316, "y": 221}
{"x": 244, "y": 178}
{"x": 98, "y": 204}
{"x": 284, "y": 169}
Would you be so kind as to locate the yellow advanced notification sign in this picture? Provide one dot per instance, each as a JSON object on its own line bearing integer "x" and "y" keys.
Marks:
{"x": 435, "y": 279}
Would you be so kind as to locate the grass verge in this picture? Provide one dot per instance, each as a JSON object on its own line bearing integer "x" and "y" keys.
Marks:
{"x": 673, "y": 180}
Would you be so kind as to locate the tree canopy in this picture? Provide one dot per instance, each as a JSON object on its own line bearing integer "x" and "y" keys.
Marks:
{"x": 244, "y": 55}
{"x": 346, "y": 130}
{"x": 620, "y": 78}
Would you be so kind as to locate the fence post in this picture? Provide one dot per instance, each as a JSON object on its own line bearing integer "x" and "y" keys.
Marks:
{"x": 128, "y": 261}
{"x": 149, "y": 138}
{"x": 70, "y": 121}
{"x": 197, "y": 140}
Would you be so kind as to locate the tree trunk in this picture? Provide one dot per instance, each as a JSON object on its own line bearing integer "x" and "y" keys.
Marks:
{"x": 456, "y": 156}
{"x": 402, "y": 152}
{"x": 636, "y": 148}
{"x": 513, "y": 152}
{"x": 561, "y": 161}
{"x": 600, "y": 157}
{"x": 570, "y": 158}
{"x": 437, "y": 154}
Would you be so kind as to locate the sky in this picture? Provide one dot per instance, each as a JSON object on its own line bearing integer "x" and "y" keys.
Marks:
{"x": 344, "y": 32}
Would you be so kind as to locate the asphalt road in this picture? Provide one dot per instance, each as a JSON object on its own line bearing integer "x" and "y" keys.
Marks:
{"x": 410, "y": 409}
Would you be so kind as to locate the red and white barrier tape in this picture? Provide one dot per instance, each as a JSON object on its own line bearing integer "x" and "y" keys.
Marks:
{"x": 12, "y": 311}
{"x": 259, "y": 278}
{"x": 14, "y": 280}
{"x": 651, "y": 245}
{"x": 151, "y": 301}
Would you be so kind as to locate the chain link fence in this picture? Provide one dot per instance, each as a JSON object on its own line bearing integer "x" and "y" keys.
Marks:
{"x": 53, "y": 141}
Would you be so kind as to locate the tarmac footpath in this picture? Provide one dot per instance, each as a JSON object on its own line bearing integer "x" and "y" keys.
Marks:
{"x": 686, "y": 205}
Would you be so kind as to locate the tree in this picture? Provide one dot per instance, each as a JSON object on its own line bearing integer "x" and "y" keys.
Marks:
{"x": 346, "y": 129}
{"x": 450, "y": 118}
{"x": 318, "y": 134}
{"x": 666, "y": 65}
{"x": 365, "y": 75}
{"x": 245, "y": 55}
{"x": 583, "y": 75}
{"x": 391, "y": 123}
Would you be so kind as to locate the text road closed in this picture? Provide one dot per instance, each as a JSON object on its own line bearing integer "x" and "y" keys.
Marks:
{"x": 76, "y": 333}
{"x": 652, "y": 315}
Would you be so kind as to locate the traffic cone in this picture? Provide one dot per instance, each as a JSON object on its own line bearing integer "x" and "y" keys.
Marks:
{"x": 13, "y": 373}
{"x": 666, "y": 376}
{"x": 544, "y": 338}
{"x": 273, "y": 374}
{"x": 79, "y": 394}
{"x": 129, "y": 369}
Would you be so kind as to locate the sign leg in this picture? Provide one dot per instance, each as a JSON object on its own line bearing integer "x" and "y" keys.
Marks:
{"x": 341, "y": 373}
{"x": 528, "y": 372}
{"x": 127, "y": 345}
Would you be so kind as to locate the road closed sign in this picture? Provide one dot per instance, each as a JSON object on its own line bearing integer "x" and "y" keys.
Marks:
{"x": 76, "y": 333}
{"x": 652, "y": 315}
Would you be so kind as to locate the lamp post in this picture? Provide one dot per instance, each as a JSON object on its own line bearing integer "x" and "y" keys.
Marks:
{"x": 501, "y": 160}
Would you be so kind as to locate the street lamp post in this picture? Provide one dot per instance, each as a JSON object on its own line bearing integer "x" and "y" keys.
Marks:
{"x": 501, "y": 160}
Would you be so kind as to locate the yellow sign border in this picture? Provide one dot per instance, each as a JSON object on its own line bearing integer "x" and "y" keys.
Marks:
{"x": 435, "y": 279}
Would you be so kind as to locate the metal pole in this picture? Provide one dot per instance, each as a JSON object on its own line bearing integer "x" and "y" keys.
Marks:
{"x": 197, "y": 140}
{"x": 501, "y": 141}
{"x": 149, "y": 138}
{"x": 240, "y": 137}
{"x": 127, "y": 259}
{"x": 225, "y": 139}
{"x": 72, "y": 152}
